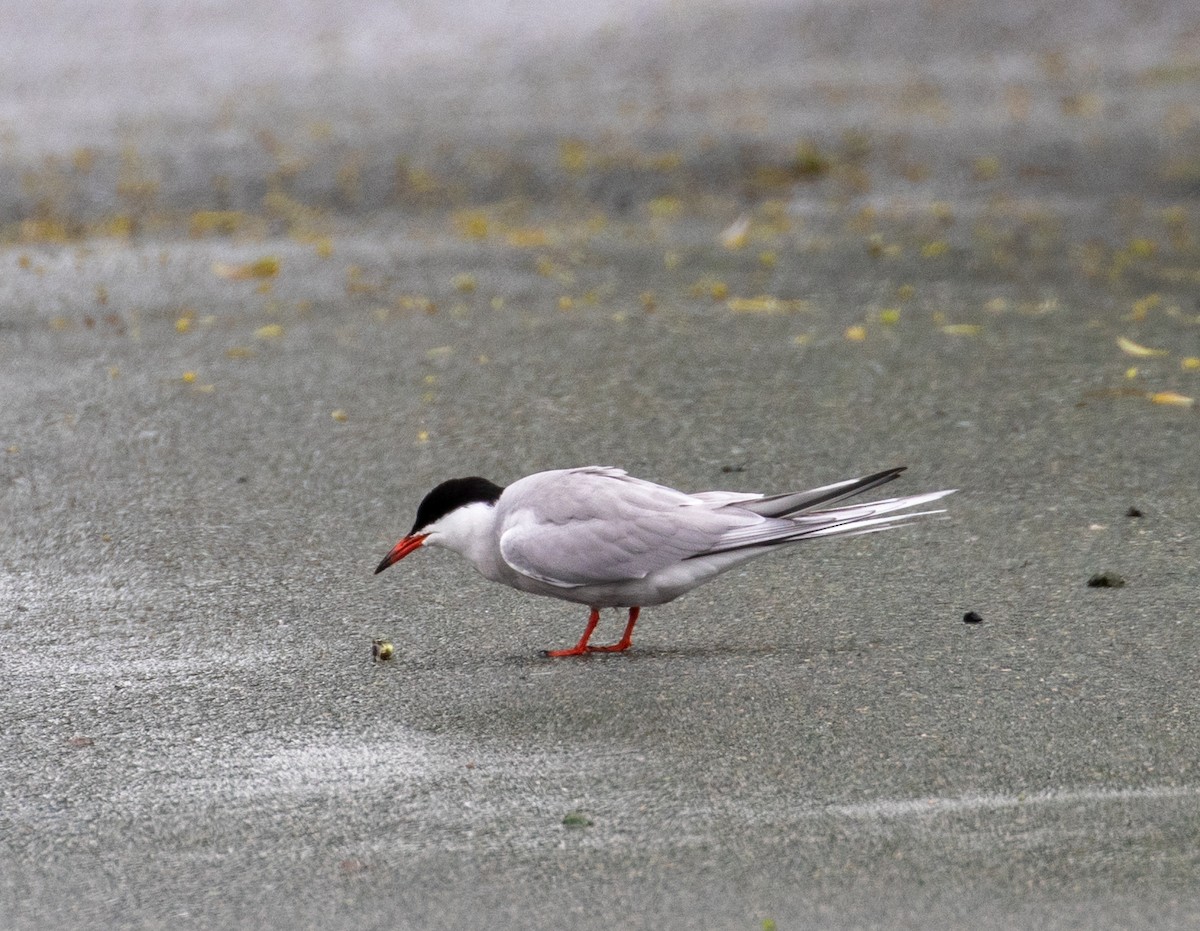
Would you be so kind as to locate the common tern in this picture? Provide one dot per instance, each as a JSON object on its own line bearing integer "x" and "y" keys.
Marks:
{"x": 599, "y": 537}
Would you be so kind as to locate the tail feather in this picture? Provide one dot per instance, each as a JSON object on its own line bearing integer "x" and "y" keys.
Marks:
{"x": 847, "y": 520}
{"x": 864, "y": 525}
{"x": 852, "y": 512}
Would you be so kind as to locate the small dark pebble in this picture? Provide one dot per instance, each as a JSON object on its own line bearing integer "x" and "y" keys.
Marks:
{"x": 972, "y": 617}
{"x": 727, "y": 469}
{"x": 1134, "y": 512}
{"x": 1105, "y": 580}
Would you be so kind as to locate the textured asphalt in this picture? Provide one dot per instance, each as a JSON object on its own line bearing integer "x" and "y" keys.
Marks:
{"x": 495, "y": 245}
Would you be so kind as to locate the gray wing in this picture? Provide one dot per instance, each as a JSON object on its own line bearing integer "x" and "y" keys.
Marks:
{"x": 594, "y": 525}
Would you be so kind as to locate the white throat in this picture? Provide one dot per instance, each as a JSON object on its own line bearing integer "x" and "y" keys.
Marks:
{"x": 468, "y": 531}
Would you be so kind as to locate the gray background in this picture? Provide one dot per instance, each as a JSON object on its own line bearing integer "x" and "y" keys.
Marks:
{"x": 498, "y": 231}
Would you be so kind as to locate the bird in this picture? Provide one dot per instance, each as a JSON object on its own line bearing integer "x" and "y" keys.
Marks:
{"x": 599, "y": 537}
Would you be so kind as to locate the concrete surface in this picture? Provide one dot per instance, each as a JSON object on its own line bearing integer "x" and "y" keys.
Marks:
{"x": 492, "y": 243}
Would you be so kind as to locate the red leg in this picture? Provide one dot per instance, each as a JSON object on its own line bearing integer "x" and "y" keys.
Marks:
{"x": 582, "y": 646}
{"x": 626, "y": 638}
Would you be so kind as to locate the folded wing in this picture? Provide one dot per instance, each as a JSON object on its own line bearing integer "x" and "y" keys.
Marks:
{"x": 592, "y": 526}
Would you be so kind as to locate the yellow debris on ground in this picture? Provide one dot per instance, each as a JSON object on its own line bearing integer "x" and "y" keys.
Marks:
{"x": 1129, "y": 347}
{"x": 765, "y": 304}
{"x": 266, "y": 267}
{"x": 1171, "y": 397}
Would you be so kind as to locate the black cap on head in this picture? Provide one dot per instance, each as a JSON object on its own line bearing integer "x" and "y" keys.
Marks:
{"x": 453, "y": 494}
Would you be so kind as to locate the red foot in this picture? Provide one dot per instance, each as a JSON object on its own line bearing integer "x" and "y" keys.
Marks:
{"x": 573, "y": 651}
{"x": 626, "y": 638}
{"x": 582, "y": 646}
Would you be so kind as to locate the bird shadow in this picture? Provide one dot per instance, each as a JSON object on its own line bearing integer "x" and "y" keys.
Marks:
{"x": 635, "y": 654}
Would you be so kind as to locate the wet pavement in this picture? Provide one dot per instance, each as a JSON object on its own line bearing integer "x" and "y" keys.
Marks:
{"x": 267, "y": 276}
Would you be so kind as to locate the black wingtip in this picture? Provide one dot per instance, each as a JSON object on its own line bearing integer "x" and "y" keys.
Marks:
{"x": 791, "y": 503}
{"x": 871, "y": 482}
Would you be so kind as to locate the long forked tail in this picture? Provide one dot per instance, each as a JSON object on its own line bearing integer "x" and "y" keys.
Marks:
{"x": 850, "y": 520}
{"x": 792, "y": 517}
